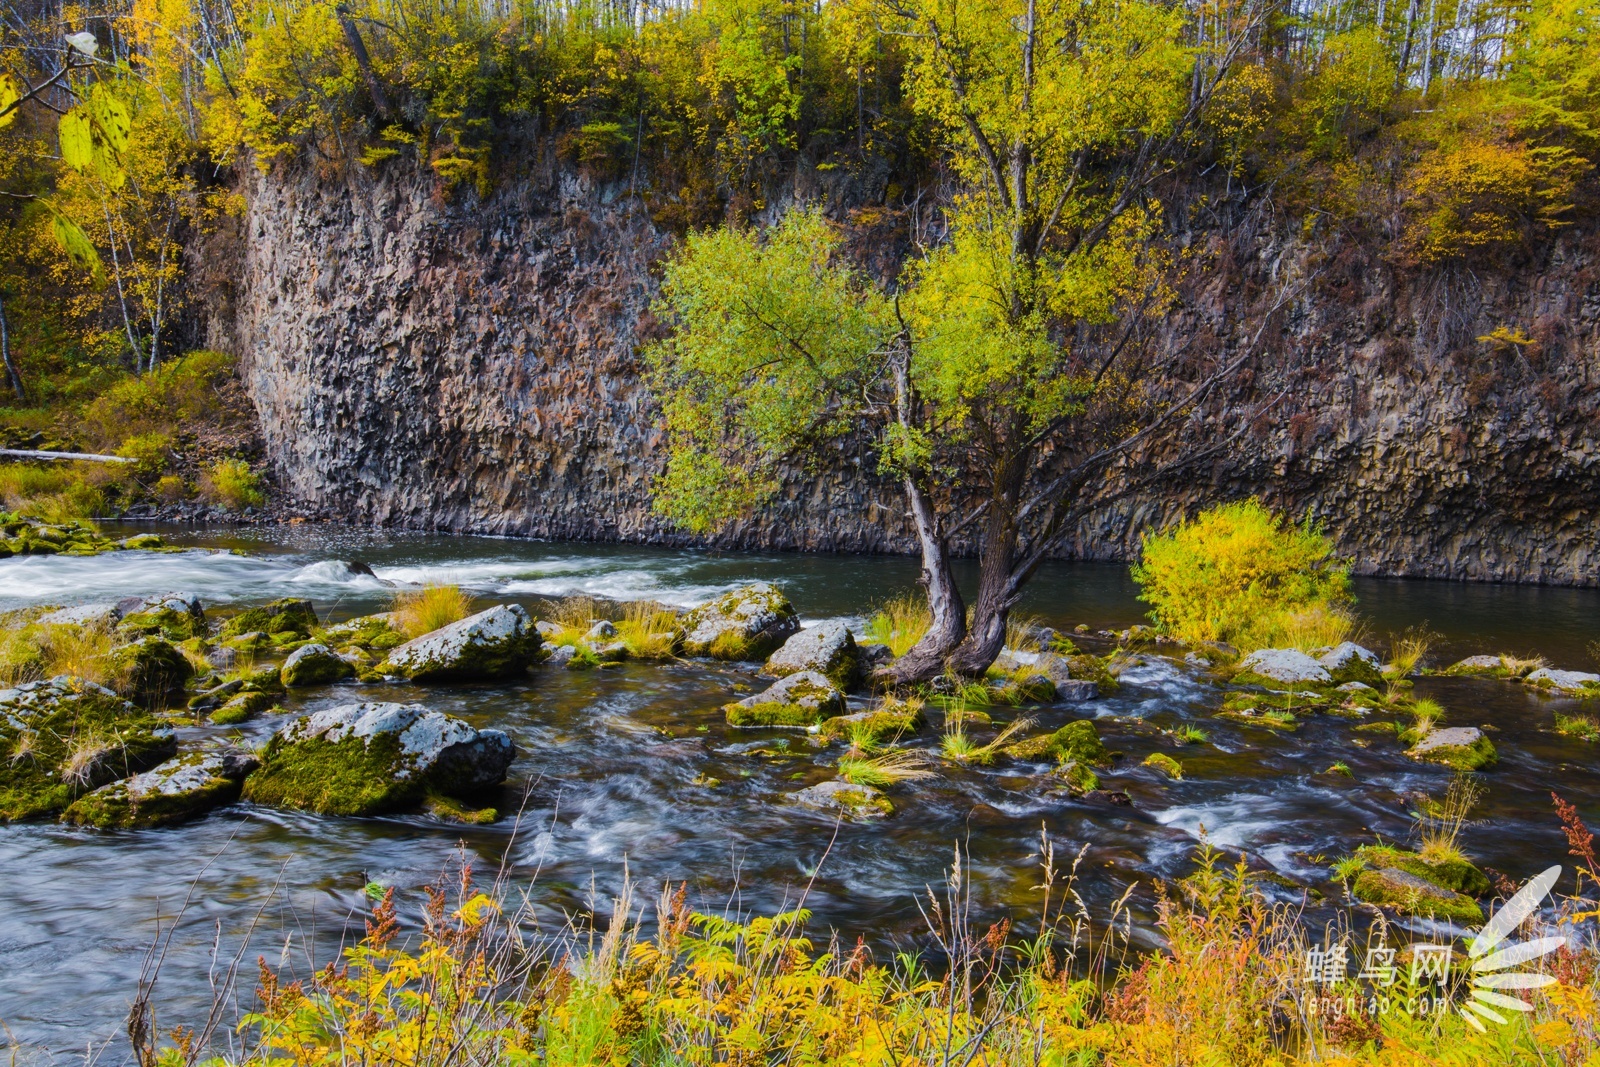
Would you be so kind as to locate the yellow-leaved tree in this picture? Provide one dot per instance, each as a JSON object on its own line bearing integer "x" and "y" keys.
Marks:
{"x": 1006, "y": 371}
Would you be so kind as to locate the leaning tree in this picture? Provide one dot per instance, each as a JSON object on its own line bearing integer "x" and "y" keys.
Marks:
{"x": 1008, "y": 376}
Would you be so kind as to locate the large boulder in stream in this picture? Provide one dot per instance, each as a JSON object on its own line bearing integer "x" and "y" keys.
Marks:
{"x": 65, "y": 737}
{"x": 181, "y": 788}
{"x": 495, "y": 643}
{"x": 827, "y": 648}
{"x": 746, "y": 624}
{"x": 365, "y": 759}
{"x": 802, "y": 699}
{"x": 858, "y": 802}
{"x": 101, "y": 616}
{"x": 1045, "y": 675}
{"x": 1282, "y": 666}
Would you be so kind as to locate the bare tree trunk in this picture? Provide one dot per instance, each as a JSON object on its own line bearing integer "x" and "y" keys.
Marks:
{"x": 5, "y": 351}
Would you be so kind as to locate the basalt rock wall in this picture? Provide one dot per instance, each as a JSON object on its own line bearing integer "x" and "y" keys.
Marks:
{"x": 469, "y": 364}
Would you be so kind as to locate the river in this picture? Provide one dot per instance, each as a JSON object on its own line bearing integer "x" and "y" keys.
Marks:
{"x": 608, "y": 761}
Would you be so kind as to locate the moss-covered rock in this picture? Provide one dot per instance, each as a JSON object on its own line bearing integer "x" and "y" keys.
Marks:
{"x": 890, "y": 719}
{"x": 1463, "y": 748}
{"x": 181, "y": 788}
{"x": 857, "y": 802}
{"x": 449, "y": 809}
{"x": 802, "y": 699}
{"x": 827, "y": 648}
{"x": 1565, "y": 683}
{"x": 1413, "y": 895}
{"x": 151, "y": 671}
{"x": 289, "y": 615}
{"x": 242, "y": 708}
{"x": 1079, "y": 777}
{"x": 1488, "y": 667}
{"x": 746, "y": 624}
{"x": 175, "y": 616}
{"x": 365, "y": 759}
{"x": 1077, "y": 741}
{"x": 1458, "y": 875}
{"x": 495, "y": 643}
{"x": 375, "y": 633}
{"x": 65, "y": 737}
{"x": 314, "y": 664}
{"x": 1349, "y": 662}
{"x": 1164, "y": 763}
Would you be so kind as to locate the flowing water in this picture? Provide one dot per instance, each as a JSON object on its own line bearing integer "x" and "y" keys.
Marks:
{"x": 608, "y": 761}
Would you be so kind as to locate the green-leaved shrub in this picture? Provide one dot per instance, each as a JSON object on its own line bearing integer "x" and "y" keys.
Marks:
{"x": 1241, "y": 574}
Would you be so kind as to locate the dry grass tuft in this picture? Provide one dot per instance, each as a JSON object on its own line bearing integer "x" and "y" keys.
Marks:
{"x": 885, "y": 770}
{"x": 1440, "y": 830}
{"x": 425, "y": 610}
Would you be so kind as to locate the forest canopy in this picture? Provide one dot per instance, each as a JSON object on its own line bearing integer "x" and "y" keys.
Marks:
{"x": 1447, "y": 130}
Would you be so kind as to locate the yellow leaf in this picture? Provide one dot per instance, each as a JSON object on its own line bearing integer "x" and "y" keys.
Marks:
{"x": 9, "y": 94}
{"x": 77, "y": 139}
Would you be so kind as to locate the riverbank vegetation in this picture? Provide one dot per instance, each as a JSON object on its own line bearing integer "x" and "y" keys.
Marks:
{"x": 477, "y": 984}
{"x": 186, "y": 427}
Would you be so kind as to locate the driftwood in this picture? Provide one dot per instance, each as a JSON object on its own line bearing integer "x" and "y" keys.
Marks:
{"x": 23, "y": 453}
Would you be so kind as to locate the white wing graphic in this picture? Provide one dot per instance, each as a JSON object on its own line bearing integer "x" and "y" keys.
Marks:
{"x": 1516, "y": 911}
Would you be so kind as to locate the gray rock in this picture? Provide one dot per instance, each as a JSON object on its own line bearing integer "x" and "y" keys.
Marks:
{"x": 600, "y": 631}
{"x": 852, "y": 801}
{"x": 1051, "y": 668}
{"x": 1573, "y": 682}
{"x": 1475, "y": 665}
{"x": 361, "y": 759}
{"x": 827, "y": 648}
{"x": 104, "y": 615}
{"x": 873, "y": 654}
{"x": 223, "y": 659}
{"x": 175, "y": 615}
{"x": 314, "y": 664}
{"x": 561, "y": 655}
{"x": 547, "y": 629}
{"x": 1461, "y": 747}
{"x": 178, "y": 789}
{"x": 746, "y": 624}
{"x": 1353, "y": 687}
{"x": 495, "y": 643}
{"x": 1286, "y": 665}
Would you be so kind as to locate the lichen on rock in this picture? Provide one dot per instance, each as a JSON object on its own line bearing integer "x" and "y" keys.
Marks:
{"x": 314, "y": 664}
{"x": 859, "y": 802}
{"x": 181, "y": 788}
{"x": 495, "y": 643}
{"x": 801, "y": 699}
{"x": 65, "y": 737}
{"x": 151, "y": 671}
{"x": 175, "y": 616}
{"x": 365, "y": 759}
{"x": 1281, "y": 666}
{"x": 745, "y": 624}
{"x": 288, "y": 615}
{"x": 1463, "y": 748}
{"x": 827, "y": 648}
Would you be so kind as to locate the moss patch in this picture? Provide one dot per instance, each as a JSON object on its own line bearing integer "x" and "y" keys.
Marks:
{"x": 1165, "y": 764}
{"x": 1457, "y": 875}
{"x": 447, "y": 809}
{"x": 1076, "y": 741}
{"x": 352, "y": 776}
{"x": 1412, "y": 895}
{"x": 59, "y": 742}
{"x": 116, "y": 806}
{"x": 288, "y": 615}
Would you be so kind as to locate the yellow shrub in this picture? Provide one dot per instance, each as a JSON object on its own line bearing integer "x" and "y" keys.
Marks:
{"x": 149, "y": 451}
{"x": 1478, "y": 195}
{"x": 232, "y": 483}
{"x": 1239, "y": 573}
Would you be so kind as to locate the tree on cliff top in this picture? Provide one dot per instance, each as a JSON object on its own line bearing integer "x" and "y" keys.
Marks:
{"x": 1007, "y": 372}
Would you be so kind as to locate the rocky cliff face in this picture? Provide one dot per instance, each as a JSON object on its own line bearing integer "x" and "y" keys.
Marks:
{"x": 470, "y": 365}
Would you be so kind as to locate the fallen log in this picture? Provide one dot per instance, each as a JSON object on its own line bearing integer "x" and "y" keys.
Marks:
{"x": 24, "y": 453}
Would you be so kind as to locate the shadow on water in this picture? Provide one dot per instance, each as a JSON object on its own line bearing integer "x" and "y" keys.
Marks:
{"x": 613, "y": 763}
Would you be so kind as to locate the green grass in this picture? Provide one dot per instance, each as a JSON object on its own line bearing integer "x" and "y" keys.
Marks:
{"x": 1582, "y": 727}
{"x": 885, "y": 770}
{"x": 899, "y": 623}
{"x": 422, "y": 611}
